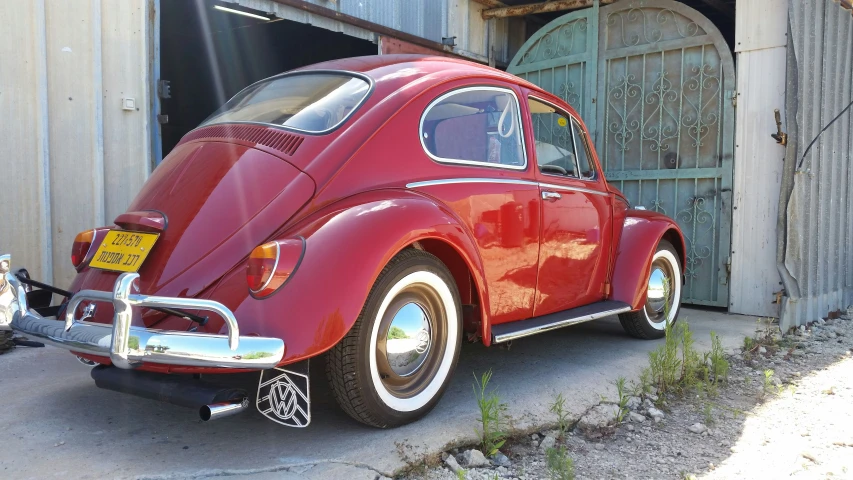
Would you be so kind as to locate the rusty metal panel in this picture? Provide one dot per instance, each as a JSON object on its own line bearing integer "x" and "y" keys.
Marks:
{"x": 817, "y": 265}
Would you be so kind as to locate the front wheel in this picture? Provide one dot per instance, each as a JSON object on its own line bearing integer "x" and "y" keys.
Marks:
{"x": 663, "y": 296}
{"x": 396, "y": 361}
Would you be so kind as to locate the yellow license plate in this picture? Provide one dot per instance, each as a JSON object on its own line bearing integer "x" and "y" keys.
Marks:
{"x": 123, "y": 251}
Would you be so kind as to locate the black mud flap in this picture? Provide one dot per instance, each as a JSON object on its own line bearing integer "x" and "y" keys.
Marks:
{"x": 283, "y": 395}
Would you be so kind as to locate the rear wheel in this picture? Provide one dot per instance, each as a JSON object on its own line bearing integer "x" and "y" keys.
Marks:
{"x": 396, "y": 361}
{"x": 663, "y": 296}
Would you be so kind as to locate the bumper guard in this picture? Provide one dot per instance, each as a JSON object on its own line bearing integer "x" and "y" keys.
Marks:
{"x": 128, "y": 346}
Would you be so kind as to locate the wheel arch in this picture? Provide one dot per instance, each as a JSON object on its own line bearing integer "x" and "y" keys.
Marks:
{"x": 472, "y": 290}
{"x": 347, "y": 246}
{"x": 642, "y": 232}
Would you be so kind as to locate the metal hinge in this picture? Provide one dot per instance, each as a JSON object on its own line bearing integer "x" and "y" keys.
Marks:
{"x": 734, "y": 98}
{"x": 164, "y": 89}
{"x": 729, "y": 266}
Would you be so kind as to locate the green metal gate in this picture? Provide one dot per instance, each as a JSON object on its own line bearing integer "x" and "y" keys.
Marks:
{"x": 654, "y": 82}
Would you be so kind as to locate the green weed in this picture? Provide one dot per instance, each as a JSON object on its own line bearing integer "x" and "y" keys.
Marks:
{"x": 719, "y": 365}
{"x": 558, "y": 408}
{"x": 622, "y": 395}
{"x": 560, "y": 465}
{"x": 492, "y": 413}
{"x": 769, "y": 386}
{"x": 709, "y": 414}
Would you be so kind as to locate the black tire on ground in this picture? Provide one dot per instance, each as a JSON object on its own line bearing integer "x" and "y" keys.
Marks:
{"x": 386, "y": 379}
{"x": 649, "y": 322}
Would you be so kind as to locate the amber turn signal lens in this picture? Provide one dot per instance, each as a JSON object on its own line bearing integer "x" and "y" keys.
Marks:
{"x": 272, "y": 264}
{"x": 81, "y": 246}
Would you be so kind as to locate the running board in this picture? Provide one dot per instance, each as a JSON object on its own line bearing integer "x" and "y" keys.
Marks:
{"x": 524, "y": 328}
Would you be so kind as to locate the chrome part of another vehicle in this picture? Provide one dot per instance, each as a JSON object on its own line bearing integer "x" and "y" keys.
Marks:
{"x": 129, "y": 346}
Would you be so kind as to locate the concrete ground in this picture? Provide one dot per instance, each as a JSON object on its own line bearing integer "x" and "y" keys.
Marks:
{"x": 56, "y": 423}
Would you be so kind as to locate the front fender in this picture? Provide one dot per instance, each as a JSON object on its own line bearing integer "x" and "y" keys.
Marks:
{"x": 641, "y": 233}
{"x": 346, "y": 246}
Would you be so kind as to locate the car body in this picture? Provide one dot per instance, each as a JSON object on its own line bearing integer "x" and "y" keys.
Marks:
{"x": 484, "y": 186}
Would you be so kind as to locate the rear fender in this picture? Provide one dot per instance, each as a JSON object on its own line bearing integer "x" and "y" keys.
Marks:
{"x": 641, "y": 234}
{"x": 347, "y": 244}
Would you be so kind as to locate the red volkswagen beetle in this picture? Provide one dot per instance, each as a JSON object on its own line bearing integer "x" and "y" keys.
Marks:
{"x": 366, "y": 215}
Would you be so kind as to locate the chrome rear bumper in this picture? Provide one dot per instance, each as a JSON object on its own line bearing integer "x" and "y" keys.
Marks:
{"x": 128, "y": 346}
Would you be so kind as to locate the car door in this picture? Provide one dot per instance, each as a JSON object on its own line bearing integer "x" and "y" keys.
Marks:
{"x": 575, "y": 214}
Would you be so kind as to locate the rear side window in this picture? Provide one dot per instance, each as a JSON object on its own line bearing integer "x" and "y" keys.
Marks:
{"x": 310, "y": 102}
{"x": 477, "y": 125}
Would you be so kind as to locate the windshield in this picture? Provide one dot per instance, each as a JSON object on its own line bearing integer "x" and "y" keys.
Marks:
{"x": 308, "y": 102}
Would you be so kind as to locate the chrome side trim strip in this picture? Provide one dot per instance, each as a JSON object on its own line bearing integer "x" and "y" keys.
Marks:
{"x": 559, "y": 324}
{"x": 450, "y": 181}
{"x": 573, "y": 189}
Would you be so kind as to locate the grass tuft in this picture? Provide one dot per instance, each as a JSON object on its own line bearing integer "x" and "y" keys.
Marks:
{"x": 492, "y": 414}
{"x": 558, "y": 408}
{"x": 560, "y": 464}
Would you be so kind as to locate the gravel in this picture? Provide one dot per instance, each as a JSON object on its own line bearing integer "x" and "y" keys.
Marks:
{"x": 795, "y": 424}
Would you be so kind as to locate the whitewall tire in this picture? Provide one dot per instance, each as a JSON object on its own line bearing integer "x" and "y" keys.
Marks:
{"x": 396, "y": 361}
{"x": 663, "y": 296}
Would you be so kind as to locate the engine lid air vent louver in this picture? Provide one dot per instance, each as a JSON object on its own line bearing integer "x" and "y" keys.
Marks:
{"x": 284, "y": 142}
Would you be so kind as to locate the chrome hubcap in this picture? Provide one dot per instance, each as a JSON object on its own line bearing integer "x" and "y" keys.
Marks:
{"x": 660, "y": 292}
{"x": 656, "y": 293}
{"x": 408, "y": 339}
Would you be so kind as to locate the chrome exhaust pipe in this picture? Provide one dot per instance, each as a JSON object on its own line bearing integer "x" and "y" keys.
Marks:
{"x": 220, "y": 410}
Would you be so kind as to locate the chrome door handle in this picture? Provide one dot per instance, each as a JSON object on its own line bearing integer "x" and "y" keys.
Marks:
{"x": 550, "y": 196}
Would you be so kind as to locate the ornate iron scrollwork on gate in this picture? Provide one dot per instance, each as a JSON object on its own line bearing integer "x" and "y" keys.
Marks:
{"x": 651, "y": 78}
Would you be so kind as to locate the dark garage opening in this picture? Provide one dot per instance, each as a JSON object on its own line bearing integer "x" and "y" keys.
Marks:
{"x": 208, "y": 55}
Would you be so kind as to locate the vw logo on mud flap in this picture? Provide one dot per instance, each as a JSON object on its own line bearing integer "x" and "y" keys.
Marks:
{"x": 283, "y": 397}
{"x": 283, "y": 400}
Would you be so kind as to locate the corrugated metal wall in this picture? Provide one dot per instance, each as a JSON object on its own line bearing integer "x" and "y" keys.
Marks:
{"x": 429, "y": 19}
{"x": 817, "y": 265}
{"x": 71, "y": 158}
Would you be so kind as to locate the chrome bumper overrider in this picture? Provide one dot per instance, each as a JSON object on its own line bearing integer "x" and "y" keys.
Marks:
{"x": 128, "y": 346}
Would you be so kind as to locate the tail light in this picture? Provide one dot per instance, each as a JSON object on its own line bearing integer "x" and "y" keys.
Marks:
{"x": 272, "y": 264}
{"x": 80, "y": 248}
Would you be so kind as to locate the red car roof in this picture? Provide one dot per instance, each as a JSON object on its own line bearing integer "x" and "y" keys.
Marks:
{"x": 381, "y": 68}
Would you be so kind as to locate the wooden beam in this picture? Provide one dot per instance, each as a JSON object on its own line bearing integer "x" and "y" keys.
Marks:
{"x": 721, "y": 7}
{"x": 543, "y": 7}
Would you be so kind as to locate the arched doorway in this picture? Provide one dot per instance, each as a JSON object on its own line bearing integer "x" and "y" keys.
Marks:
{"x": 654, "y": 82}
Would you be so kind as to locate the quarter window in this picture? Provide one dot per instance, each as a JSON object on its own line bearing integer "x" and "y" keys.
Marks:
{"x": 582, "y": 141}
{"x": 474, "y": 126}
{"x": 555, "y": 145}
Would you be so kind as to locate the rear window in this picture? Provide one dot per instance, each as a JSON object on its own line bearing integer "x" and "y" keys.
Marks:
{"x": 314, "y": 103}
